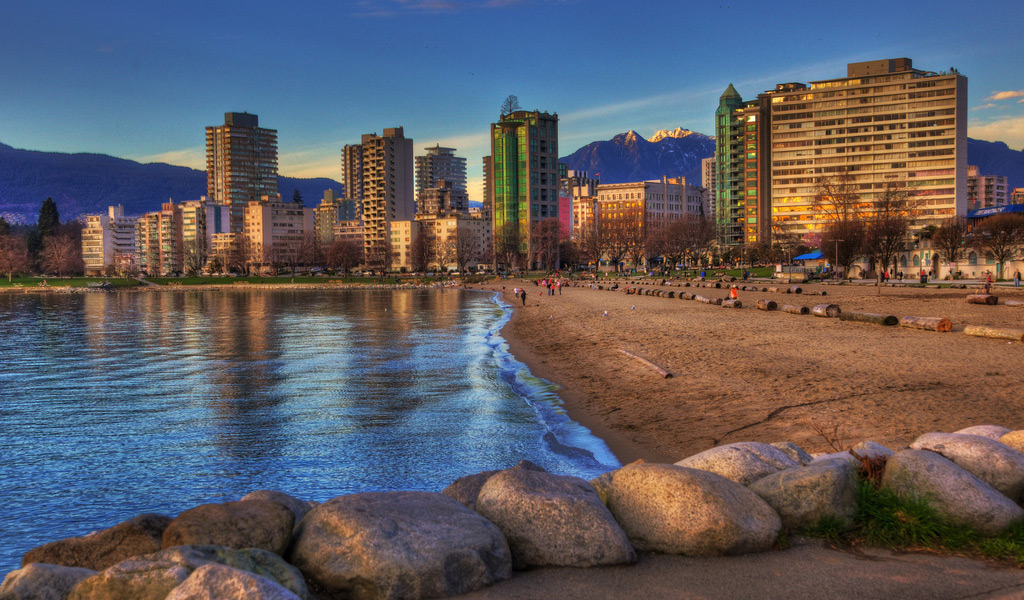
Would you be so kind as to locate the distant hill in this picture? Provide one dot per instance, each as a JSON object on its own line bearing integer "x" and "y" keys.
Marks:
{"x": 629, "y": 157}
{"x": 89, "y": 183}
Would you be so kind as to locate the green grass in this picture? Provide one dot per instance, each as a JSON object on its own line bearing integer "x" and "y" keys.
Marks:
{"x": 888, "y": 520}
{"x": 67, "y": 282}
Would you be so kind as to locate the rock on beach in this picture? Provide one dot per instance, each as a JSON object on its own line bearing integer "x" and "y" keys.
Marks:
{"x": 993, "y": 462}
{"x": 220, "y": 582}
{"x": 243, "y": 524}
{"x": 553, "y": 520}
{"x": 104, "y": 548}
{"x": 803, "y": 496}
{"x": 40, "y": 581}
{"x": 742, "y": 462}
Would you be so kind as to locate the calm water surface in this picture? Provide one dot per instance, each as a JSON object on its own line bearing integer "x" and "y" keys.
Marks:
{"x": 117, "y": 404}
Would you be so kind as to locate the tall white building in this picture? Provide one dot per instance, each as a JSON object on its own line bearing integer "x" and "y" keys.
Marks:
{"x": 386, "y": 166}
{"x": 985, "y": 191}
{"x": 108, "y": 240}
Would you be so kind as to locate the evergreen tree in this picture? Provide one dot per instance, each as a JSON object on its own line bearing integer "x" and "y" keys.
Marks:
{"x": 49, "y": 218}
{"x": 297, "y": 196}
{"x": 5, "y": 227}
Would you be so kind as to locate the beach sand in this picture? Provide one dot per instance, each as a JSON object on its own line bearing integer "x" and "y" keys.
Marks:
{"x": 751, "y": 375}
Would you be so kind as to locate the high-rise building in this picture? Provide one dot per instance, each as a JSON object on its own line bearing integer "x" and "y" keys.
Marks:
{"x": 985, "y": 191}
{"x": 241, "y": 163}
{"x": 523, "y": 177}
{"x": 329, "y": 212}
{"x": 200, "y": 221}
{"x": 442, "y": 199}
{"x": 158, "y": 241}
{"x": 440, "y": 164}
{"x": 884, "y": 123}
{"x": 386, "y": 183}
{"x": 108, "y": 240}
{"x": 352, "y": 171}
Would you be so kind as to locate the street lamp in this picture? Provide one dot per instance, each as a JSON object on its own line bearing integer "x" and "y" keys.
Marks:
{"x": 835, "y": 267}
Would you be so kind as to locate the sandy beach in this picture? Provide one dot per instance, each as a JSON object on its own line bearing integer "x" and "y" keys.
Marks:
{"x": 767, "y": 376}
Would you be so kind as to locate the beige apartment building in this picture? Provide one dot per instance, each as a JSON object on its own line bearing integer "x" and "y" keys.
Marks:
{"x": 985, "y": 191}
{"x": 108, "y": 240}
{"x": 448, "y": 236}
{"x": 241, "y": 163}
{"x": 884, "y": 122}
{"x": 403, "y": 235}
{"x": 274, "y": 230}
{"x": 158, "y": 241}
{"x": 650, "y": 203}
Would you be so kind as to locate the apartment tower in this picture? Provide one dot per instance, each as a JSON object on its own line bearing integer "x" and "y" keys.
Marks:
{"x": 386, "y": 167}
{"x": 440, "y": 165}
{"x": 241, "y": 164}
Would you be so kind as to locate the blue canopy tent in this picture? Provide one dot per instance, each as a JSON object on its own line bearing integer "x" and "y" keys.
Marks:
{"x": 816, "y": 255}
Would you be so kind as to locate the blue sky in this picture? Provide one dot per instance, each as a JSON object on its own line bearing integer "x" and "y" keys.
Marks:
{"x": 141, "y": 80}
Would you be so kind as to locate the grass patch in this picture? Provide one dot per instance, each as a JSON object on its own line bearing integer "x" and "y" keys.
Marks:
{"x": 52, "y": 282}
{"x": 888, "y": 520}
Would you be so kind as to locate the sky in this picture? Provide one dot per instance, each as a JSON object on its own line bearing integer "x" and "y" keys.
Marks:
{"x": 142, "y": 80}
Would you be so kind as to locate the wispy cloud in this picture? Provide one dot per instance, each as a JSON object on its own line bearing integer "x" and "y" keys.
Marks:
{"x": 1006, "y": 95}
{"x": 1009, "y": 130}
{"x": 194, "y": 157}
{"x": 393, "y": 8}
{"x": 984, "y": 106}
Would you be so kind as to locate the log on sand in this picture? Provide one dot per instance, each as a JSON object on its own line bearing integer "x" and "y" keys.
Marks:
{"x": 766, "y": 304}
{"x": 927, "y": 323}
{"x": 716, "y": 301}
{"x": 795, "y": 310}
{"x": 988, "y": 299}
{"x": 795, "y": 290}
{"x": 773, "y": 289}
{"x": 863, "y": 317}
{"x": 826, "y": 310}
{"x": 656, "y": 368}
{"x": 732, "y": 303}
{"x": 1014, "y": 303}
{"x": 995, "y": 332}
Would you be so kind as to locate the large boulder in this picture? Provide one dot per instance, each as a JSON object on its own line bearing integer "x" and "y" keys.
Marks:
{"x": 805, "y": 495}
{"x": 843, "y": 456}
{"x": 399, "y": 545}
{"x": 218, "y": 582}
{"x": 872, "y": 450}
{"x": 677, "y": 510}
{"x": 955, "y": 493}
{"x": 39, "y": 581}
{"x": 153, "y": 576}
{"x": 104, "y": 548}
{"x": 742, "y": 462}
{"x": 244, "y": 524}
{"x": 553, "y": 520}
{"x": 466, "y": 489}
{"x": 994, "y": 463}
{"x": 794, "y": 451}
{"x": 298, "y": 507}
{"x": 1014, "y": 439}
{"x": 990, "y": 431}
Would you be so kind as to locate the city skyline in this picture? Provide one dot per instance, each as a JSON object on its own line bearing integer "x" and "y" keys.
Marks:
{"x": 144, "y": 82}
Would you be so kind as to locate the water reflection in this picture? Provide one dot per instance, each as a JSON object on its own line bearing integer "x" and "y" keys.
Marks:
{"x": 117, "y": 404}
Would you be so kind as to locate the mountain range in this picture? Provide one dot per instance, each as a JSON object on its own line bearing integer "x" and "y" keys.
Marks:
{"x": 89, "y": 183}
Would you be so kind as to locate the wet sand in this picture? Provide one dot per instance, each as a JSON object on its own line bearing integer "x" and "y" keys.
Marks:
{"x": 746, "y": 374}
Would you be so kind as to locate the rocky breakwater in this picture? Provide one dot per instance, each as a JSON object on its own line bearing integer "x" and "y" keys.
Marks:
{"x": 730, "y": 499}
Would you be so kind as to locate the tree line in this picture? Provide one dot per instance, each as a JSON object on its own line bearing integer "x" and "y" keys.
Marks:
{"x": 48, "y": 248}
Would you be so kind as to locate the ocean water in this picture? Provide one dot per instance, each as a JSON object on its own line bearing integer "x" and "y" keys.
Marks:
{"x": 116, "y": 404}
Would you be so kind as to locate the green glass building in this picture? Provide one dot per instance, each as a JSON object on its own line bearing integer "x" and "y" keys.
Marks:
{"x": 523, "y": 182}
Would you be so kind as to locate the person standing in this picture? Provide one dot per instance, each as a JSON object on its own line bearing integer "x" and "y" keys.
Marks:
{"x": 988, "y": 283}
{"x": 1016, "y": 278}
{"x": 522, "y": 295}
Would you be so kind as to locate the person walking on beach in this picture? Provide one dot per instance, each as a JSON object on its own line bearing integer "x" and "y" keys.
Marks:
{"x": 988, "y": 282}
{"x": 522, "y": 295}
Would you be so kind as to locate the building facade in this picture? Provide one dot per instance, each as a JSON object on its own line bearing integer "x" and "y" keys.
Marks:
{"x": 439, "y": 165}
{"x": 387, "y": 184}
{"x": 158, "y": 241}
{"x": 241, "y": 163}
{"x": 985, "y": 191}
{"x": 275, "y": 231}
{"x": 108, "y": 240}
{"x": 523, "y": 178}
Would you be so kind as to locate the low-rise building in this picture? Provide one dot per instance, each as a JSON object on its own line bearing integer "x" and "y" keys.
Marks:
{"x": 985, "y": 191}
{"x": 108, "y": 241}
{"x": 275, "y": 230}
{"x": 158, "y": 241}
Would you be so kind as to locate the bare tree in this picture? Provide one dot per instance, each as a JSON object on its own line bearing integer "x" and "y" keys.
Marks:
{"x": 886, "y": 234}
{"x": 508, "y": 245}
{"x": 61, "y": 255}
{"x": 444, "y": 253}
{"x": 951, "y": 240}
{"x": 421, "y": 252}
{"x": 544, "y": 243}
{"x": 14, "y": 258}
{"x": 196, "y": 252}
{"x": 615, "y": 242}
{"x": 842, "y": 238}
{"x": 465, "y": 251}
{"x": 380, "y": 256}
{"x": 344, "y": 255}
{"x": 311, "y": 253}
{"x": 636, "y": 242}
{"x": 588, "y": 244}
{"x": 510, "y": 105}
{"x": 671, "y": 242}
{"x": 1002, "y": 236}
{"x": 699, "y": 236}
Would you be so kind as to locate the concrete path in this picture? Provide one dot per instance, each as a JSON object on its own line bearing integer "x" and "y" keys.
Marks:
{"x": 809, "y": 570}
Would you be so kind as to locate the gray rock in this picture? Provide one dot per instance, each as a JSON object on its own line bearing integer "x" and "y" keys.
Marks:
{"x": 154, "y": 576}
{"x": 1014, "y": 439}
{"x": 298, "y": 507}
{"x": 843, "y": 456}
{"x": 244, "y": 524}
{"x": 954, "y": 492}
{"x": 994, "y": 463}
{"x": 872, "y": 450}
{"x": 466, "y": 489}
{"x": 805, "y": 495}
{"x": 990, "y": 431}
{"x": 217, "y": 582}
{"x": 553, "y": 520}
{"x": 101, "y": 549}
{"x": 38, "y": 581}
{"x": 742, "y": 462}
{"x": 399, "y": 545}
{"x": 793, "y": 451}
{"x": 678, "y": 510}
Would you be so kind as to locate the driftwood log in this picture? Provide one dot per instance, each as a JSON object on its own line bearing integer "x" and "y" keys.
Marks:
{"x": 863, "y": 317}
{"x": 1014, "y": 303}
{"x": 766, "y": 304}
{"x": 927, "y": 323}
{"x": 995, "y": 332}
{"x": 732, "y": 303}
{"x": 795, "y": 290}
{"x": 795, "y": 310}
{"x": 686, "y": 296}
{"x": 656, "y": 368}
{"x": 773, "y": 289}
{"x": 715, "y": 301}
{"x": 826, "y": 310}
{"x": 988, "y": 299}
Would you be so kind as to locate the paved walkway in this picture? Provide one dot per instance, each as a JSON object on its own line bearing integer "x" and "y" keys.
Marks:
{"x": 809, "y": 570}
